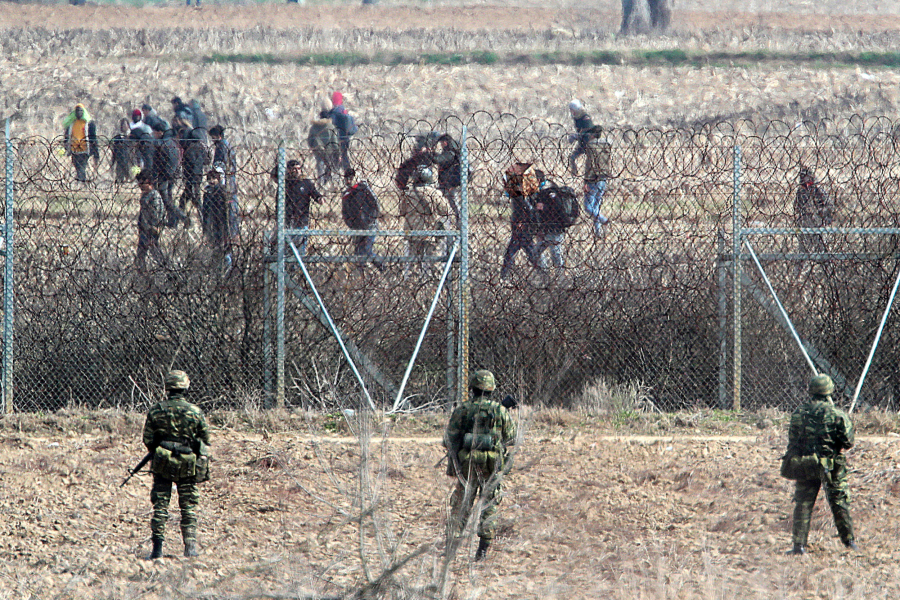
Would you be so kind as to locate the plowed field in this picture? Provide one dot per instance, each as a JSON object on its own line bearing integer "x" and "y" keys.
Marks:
{"x": 588, "y": 512}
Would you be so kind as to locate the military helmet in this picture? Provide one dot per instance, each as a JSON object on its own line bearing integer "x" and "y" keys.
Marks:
{"x": 821, "y": 385}
{"x": 482, "y": 379}
{"x": 177, "y": 380}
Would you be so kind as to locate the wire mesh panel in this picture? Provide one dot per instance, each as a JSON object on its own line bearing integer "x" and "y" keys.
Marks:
{"x": 639, "y": 301}
{"x": 834, "y": 285}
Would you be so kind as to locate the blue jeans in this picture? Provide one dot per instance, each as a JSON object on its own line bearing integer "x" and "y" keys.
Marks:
{"x": 300, "y": 240}
{"x": 593, "y": 200}
{"x": 364, "y": 245}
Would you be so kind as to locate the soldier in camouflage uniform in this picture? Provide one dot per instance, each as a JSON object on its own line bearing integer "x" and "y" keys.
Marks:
{"x": 478, "y": 438}
{"x": 819, "y": 428}
{"x": 175, "y": 428}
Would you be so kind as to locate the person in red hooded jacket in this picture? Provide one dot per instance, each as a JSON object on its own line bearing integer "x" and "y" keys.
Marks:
{"x": 345, "y": 125}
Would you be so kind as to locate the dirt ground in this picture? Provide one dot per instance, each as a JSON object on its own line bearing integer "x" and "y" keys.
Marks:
{"x": 665, "y": 507}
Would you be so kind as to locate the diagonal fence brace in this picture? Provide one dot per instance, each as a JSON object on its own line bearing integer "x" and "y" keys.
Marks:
{"x": 399, "y": 401}
{"x": 333, "y": 327}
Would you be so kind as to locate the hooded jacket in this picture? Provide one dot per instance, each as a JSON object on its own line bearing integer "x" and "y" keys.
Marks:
{"x": 88, "y": 143}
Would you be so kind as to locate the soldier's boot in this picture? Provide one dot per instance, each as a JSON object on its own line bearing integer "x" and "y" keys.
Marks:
{"x": 156, "y": 552}
{"x": 797, "y": 550}
{"x": 483, "y": 545}
{"x": 189, "y": 535}
{"x": 851, "y": 545}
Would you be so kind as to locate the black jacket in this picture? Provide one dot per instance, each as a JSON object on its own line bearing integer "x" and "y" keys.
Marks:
{"x": 448, "y": 164}
{"x": 409, "y": 166}
{"x": 298, "y": 194}
{"x": 359, "y": 206}
{"x": 167, "y": 161}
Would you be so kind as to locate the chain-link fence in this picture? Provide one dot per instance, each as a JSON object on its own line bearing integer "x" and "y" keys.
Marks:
{"x": 647, "y": 304}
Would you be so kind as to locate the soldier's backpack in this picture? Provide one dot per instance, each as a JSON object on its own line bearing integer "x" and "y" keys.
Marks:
{"x": 520, "y": 179}
{"x": 174, "y": 461}
{"x": 202, "y": 472}
{"x": 479, "y": 430}
{"x": 803, "y": 468}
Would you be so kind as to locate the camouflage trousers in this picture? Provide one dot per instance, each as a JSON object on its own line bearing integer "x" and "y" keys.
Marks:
{"x": 837, "y": 492}
{"x": 188, "y": 499}
{"x": 466, "y": 496}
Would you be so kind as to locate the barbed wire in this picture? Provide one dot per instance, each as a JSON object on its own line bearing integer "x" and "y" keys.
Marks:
{"x": 642, "y": 304}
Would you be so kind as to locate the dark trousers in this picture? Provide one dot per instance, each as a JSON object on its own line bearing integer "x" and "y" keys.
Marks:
{"x": 345, "y": 154}
{"x": 191, "y": 193}
{"x": 364, "y": 245}
{"x": 148, "y": 242}
{"x": 837, "y": 492}
{"x": 521, "y": 239}
{"x": 80, "y": 161}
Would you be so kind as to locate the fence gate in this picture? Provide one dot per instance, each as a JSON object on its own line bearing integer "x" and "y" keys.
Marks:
{"x": 313, "y": 282}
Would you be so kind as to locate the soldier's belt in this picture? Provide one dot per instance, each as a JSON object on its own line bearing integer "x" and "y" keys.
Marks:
{"x": 176, "y": 447}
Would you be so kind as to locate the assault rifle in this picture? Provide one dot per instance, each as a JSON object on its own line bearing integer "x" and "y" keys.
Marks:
{"x": 140, "y": 466}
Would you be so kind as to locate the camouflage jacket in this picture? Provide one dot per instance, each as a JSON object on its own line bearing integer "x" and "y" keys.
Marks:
{"x": 597, "y": 154}
{"x": 152, "y": 213}
{"x": 818, "y": 427}
{"x": 175, "y": 419}
{"x": 480, "y": 416}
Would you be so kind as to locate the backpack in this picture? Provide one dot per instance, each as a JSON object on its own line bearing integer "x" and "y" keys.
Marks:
{"x": 521, "y": 180}
{"x": 352, "y": 128}
{"x": 198, "y": 117}
{"x": 568, "y": 209}
{"x": 478, "y": 428}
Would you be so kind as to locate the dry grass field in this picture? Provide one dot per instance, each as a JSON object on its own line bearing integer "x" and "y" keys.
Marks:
{"x": 685, "y": 506}
{"x": 115, "y": 57}
{"x": 670, "y": 507}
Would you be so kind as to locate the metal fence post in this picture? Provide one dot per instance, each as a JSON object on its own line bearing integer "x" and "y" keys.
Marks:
{"x": 722, "y": 288}
{"x": 8, "y": 298}
{"x": 736, "y": 236}
{"x": 267, "y": 337}
{"x": 280, "y": 284}
{"x": 464, "y": 289}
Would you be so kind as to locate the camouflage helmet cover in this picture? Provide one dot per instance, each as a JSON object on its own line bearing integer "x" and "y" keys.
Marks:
{"x": 177, "y": 380}
{"x": 482, "y": 379}
{"x": 821, "y": 385}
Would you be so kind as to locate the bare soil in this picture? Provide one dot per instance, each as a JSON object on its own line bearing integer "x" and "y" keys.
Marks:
{"x": 663, "y": 507}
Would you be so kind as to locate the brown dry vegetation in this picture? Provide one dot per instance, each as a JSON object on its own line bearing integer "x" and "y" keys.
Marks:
{"x": 127, "y": 56}
{"x": 673, "y": 506}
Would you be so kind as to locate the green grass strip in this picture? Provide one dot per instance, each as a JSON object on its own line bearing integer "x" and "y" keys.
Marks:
{"x": 673, "y": 57}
